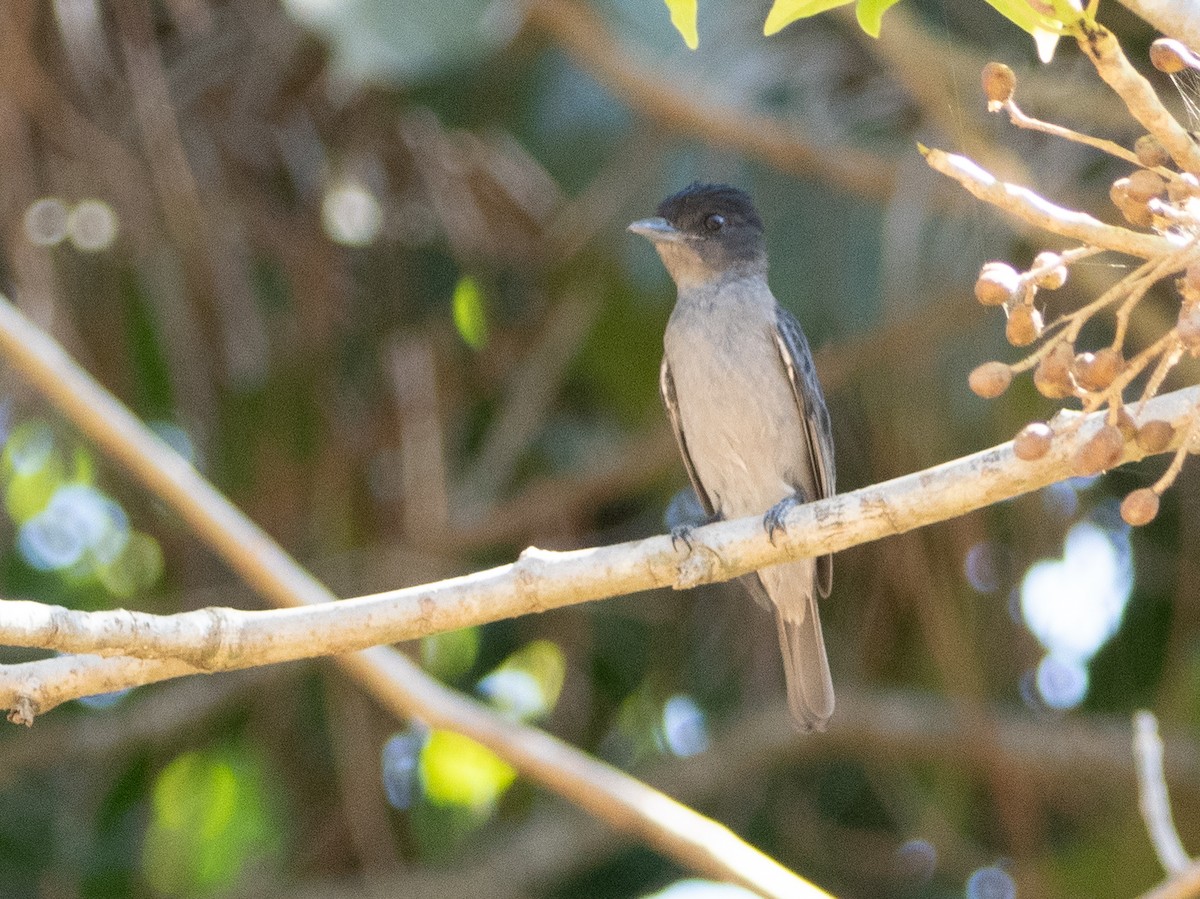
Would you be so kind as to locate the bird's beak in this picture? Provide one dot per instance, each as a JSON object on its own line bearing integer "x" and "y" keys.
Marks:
{"x": 656, "y": 230}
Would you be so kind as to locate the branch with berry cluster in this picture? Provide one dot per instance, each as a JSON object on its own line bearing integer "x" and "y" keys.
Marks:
{"x": 1160, "y": 201}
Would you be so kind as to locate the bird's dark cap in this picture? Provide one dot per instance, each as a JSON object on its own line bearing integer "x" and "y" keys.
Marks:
{"x": 688, "y": 209}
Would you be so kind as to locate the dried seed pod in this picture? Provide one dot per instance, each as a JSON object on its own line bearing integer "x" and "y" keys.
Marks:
{"x": 999, "y": 82}
{"x": 1145, "y": 185}
{"x": 1100, "y": 453}
{"x": 1119, "y": 191}
{"x": 1024, "y": 326}
{"x": 1188, "y": 328}
{"x": 998, "y": 284}
{"x": 1140, "y": 507}
{"x": 1055, "y": 275}
{"x": 1170, "y": 56}
{"x": 1150, "y": 152}
{"x": 1052, "y": 377}
{"x": 1136, "y": 213}
{"x": 990, "y": 379}
{"x": 1095, "y": 371}
{"x": 1155, "y": 436}
{"x": 1182, "y": 187}
{"x": 1033, "y": 441}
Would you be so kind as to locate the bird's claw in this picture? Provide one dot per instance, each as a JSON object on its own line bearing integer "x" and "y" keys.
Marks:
{"x": 774, "y": 519}
{"x": 682, "y": 533}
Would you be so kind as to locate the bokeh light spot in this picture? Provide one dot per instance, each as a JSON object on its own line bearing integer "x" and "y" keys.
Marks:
{"x": 399, "y": 766}
{"x": 92, "y": 226}
{"x": 1073, "y": 605}
{"x": 176, "y": 438}
{"x": 991, "y": 883}
{"x": 528, "y": 683}
{"x": 684, "y": 726}
{"x": 137, "y": 568}
{"x": 983, "y": 566}
{"x": 50, "y": 543}
{"x": 351, "y": 215}
{"x": 45, "y": 221}
{"x": 211, "y": 816}
{"x": 1062, "y": 683}
{"x": 28, "y": 449}
{"x": 916, "y": 862}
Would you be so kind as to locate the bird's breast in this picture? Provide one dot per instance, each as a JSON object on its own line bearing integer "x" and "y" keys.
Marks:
{"x": 737, "y": 410}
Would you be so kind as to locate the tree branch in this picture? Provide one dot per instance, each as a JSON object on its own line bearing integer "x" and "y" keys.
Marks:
{"x": 1036, "y": 210}
{"x": 1153, "y": 799}
{"x": 1175, "y": 18}
{"x": 624, "y": 802}
{"x": 221, "y": 639}
{"x": 1104, "y": 50}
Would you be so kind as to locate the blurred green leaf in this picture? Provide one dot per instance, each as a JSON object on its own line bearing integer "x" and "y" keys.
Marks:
{"x": 451, "y": 654}
{"x": 455, "y": 770}
{"x": 870, "y": 14}
{"x": 683, "y": 17}
{"x": 211, "y": 817}
{"x": 137, "y": 568}
{"x": 34, "y": 469}
{"x": 469, "y": 316}
{"x": 785, "y": 12}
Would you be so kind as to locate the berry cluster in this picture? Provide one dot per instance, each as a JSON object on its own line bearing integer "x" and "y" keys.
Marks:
{"x": 1155, "y": 196}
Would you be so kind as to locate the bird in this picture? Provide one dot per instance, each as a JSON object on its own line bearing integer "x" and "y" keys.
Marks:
{"x": 747, "y": 410}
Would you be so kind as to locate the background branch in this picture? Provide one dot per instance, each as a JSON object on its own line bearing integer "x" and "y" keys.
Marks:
{"x": 624, "y": 802}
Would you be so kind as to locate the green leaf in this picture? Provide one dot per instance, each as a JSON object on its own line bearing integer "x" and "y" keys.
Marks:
{"x": 469, "y": 316}
{"x": 870, "y": 14}
{"x": 1024, "y": 16}
{"x": 450, "y": 654}
{"x": 785, "y": 12}
{"x": 683, "y": 17}
{"x": 456, "y": 770}
{"x": 212, "y": 816}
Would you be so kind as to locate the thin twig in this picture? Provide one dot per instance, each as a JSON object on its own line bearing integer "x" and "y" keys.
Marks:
{"x": 1036, "y": 210}
{"x": 1021, "y": 120}
{"x": 1104, "y": 50}
{"x": 1153, "y": 800}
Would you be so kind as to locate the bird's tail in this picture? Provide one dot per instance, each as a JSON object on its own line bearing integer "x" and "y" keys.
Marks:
{"x": 805, "y": 665}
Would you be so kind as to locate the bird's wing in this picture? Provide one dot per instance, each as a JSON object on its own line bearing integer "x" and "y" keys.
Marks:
{"x": 666, "y": 384}
{"x": 797, "y": 361}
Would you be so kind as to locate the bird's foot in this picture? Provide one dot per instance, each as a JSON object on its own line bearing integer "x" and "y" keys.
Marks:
{"x": 682, "y": 533}
{"x": 774, "y": 519}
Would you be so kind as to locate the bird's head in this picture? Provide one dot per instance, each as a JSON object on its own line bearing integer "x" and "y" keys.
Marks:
{"x": 705, "y": 231}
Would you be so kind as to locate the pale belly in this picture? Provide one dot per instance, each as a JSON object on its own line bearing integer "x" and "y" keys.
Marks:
{"x": 744, "y": 432}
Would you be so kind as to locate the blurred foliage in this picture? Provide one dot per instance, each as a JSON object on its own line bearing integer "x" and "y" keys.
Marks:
{"x": 364, "y": 263}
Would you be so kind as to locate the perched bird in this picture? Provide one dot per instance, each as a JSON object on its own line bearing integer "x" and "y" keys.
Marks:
{"x": 747, "y": 410}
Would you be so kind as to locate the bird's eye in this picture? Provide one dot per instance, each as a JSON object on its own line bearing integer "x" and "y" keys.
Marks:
{"x": 714, "y": 222}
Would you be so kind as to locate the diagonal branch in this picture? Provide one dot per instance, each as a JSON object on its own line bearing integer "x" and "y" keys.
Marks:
{"x": 1175, "y": 18}
{"x": 625, "y": 803}
{"x": 223, "y": 639}
{"x": 1036, "y": 210}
